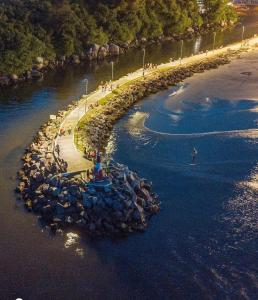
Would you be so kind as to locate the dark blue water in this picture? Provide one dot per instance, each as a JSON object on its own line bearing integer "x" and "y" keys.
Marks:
{"x": 202, "y": 245}
{"x": 204, "y": 241}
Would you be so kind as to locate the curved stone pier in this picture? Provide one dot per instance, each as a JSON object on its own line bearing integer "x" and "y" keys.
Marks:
{"x": 127, "y": 202}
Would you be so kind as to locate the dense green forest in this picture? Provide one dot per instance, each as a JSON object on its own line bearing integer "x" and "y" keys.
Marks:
{"x": 51, "y": 28}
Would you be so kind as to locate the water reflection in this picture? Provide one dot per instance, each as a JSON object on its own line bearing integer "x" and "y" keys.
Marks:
{"x": 73, "y": 240}
{"x": 241, "y": 211}
{"x": 197, "y": 45}
{"x": 210, "y": 212}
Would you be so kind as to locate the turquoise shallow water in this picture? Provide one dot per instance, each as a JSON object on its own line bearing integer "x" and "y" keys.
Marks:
{"x": 203, "y": 243}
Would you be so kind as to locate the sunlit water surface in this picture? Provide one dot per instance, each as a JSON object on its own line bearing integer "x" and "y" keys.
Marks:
{"x": 205, "y": 239}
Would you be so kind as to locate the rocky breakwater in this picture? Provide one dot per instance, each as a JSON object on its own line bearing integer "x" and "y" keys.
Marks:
{"x": 95, "y": 128}
{"x": 122, "y": 205}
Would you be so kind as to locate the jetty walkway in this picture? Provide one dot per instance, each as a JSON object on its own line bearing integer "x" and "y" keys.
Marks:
{"x": 68, "y": 151}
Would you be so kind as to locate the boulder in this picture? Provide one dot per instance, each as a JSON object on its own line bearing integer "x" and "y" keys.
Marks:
{"x": 39, "y": 67}
{"x": 62, "y": 58}
{"x": 39, "y": 60}
{"x": 114, "y": 49}
{"x": 190, "y": 30}
{"x": 87, "y": 203}
{"x": 14, "y": 77}
{"x": 102, "y": 53}
{"x": 125, "y": 45}
{"x": 93, "y": 51}
{"x": 75, "y": 59}
{"x": 35, "y": 74}
{"x": 28, "y": 74}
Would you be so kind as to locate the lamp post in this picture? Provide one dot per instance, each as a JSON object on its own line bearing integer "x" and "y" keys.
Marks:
{"x": 86, "y": 86}
{"x": 112, "y": 70}
{"x": 181, "y": 51}
{"x": 243, "y": 34}
{"x": 86, "y": 90}
{"x": 214, "y": 40}
{"x": 143, "y": 62}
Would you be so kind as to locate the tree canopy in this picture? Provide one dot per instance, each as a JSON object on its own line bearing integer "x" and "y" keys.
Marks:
{"x": 32, "y": 28}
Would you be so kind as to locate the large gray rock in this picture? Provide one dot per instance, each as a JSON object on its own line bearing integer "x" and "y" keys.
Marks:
{"x": 190, "y": 30}
{"x": 114, "y": 50}
{"x": 40, "y": 60}
{"x": 35, "y": 74}
{"x": 102, "y": 53}
{"x": 93, "y": 51}
{"x": 76, "y": 59}
{"x": 14, "y": 77}
{"x": 87, "y": 203}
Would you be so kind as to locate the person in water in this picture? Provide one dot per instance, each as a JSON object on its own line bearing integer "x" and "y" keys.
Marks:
{"x": 194, "y": 155}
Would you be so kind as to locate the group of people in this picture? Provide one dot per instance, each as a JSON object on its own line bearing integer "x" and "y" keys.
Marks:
{"x": 62, "y": 162}
{"x": 90, "y": 155}
{"x": 100, "y": 169}
{"x": 106, "y": 86}
{"x": 150, "y": 66}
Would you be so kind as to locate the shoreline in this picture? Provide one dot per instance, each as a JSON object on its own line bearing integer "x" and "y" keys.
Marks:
{"x": 95, "y": 53}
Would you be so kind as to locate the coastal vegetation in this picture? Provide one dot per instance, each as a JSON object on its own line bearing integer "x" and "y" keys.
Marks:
{"x": 39, "y": 32}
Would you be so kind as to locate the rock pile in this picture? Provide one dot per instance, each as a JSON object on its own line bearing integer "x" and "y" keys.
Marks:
{"x": 123, "y": 206}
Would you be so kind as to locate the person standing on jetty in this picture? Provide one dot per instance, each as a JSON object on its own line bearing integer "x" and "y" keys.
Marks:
{"x": 58, "y": 149}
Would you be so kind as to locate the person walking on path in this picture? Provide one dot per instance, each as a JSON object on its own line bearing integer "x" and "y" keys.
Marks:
{"x": 62, "y": 131}
{"x": 58, "y": 150}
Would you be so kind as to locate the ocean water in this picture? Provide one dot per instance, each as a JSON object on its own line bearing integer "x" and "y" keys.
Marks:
{"x": 204, "y": 241}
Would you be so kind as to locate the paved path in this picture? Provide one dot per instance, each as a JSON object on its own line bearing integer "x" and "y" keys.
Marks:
{"x": 69, "y": 152}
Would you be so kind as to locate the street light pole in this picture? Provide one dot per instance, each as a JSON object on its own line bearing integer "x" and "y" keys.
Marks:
{"x": 181, "y": 52}
{"x": 112, "y": 70}
{"x": 86, "y": 86}
{"x": 87, "y": 82}
{"x": 143, "y": 62}
{"x": 214, "y": 40}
